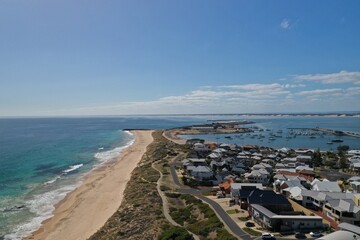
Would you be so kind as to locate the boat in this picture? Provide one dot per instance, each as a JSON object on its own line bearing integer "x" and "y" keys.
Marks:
{"x": 329, "y": 143}
{"x": 337, "y": 140}
{"x": 229, "y": 137}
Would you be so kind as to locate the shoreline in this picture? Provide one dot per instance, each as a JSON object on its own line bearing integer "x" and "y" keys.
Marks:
{"x": 86, "y": 209}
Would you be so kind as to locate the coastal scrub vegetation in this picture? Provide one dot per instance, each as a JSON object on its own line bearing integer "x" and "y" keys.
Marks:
{"x": 252, "y": 231}
{"x": 199, "y": 218}
{"x": 140, "y": 215}
{"x": 174, "y": 233}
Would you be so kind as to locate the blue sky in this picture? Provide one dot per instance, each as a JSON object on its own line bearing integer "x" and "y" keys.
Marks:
{"x": 164, "y": 57}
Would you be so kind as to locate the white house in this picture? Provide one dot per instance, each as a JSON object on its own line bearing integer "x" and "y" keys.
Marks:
{"x": 201, "y": 173}
{"x": 257, "y": 176}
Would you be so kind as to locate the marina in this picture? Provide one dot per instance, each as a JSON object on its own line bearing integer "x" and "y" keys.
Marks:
{"x": 331, "y": 131}
{"x": 325, "y": 133}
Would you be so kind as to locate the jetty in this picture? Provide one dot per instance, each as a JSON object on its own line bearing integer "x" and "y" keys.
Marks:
{"x": 331, "y": 131}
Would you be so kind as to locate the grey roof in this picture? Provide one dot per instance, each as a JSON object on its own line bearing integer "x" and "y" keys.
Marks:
{"x": 256, "y": 173}
{"x": 197, "y": 160}
{"x": 342, "y": 205}
{"x": 354, "y": 179}
{"x": 218, "y": 163}
{"x": 349, "y": 227}
{"x": 344, "y": 235}
{"x": 202, "y": 169}
{"x": 357, "y": 165}
{"x": 289, "y": 160}
{"x": 237, "y": 169}
{"x": 258, "y": 166}
{"x": 327, "y": 186}
{"x": 263, "y": 210}
{"x": 215, "y": 155}
{"x": 272, "y": 215}
{"x": 190, "y": 168}
{"x": 298, "y": 217}
{"x": 293, "y": 183}
{"x": 280, "y": 177}
{"x": 325, "y": 196}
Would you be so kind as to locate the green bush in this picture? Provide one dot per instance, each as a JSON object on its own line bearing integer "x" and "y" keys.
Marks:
{"x": 174, "y": 233}
{"x": 252, "y": 231}
{"x": 172, "y": 195}
{"x": 182, "y": 215}
{"x": 222, "y": 234}
{"x": 232, "y": 211}
{"x": 190, "y": 199}
{"x": 164, "y": 188}
{"x": 244, "y": 219}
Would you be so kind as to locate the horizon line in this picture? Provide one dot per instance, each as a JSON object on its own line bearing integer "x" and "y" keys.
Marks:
{"x": 348, "y": 113}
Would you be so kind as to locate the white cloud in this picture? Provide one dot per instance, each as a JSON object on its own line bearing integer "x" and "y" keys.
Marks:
{"x": 285, "y": 24}
{"x": 330, "y": 91}
{"x": 332, "y": 78}
{"x": 255, "y": 86}
{"x": 353, "y": 91}
{"x": 256, "y": 97}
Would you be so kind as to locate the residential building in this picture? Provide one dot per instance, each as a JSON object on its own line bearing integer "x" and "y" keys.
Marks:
{"x": 284, "y": 223}
{"x": 236, "y": 187}
{"x": 257, "y": 176}
{"x": 350, "y": 227}
{"x": 325, "y": 186}
{"x": 201, "y": 173}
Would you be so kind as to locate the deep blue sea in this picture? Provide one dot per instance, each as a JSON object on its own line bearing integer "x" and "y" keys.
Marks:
{"x": 42, "y": 159}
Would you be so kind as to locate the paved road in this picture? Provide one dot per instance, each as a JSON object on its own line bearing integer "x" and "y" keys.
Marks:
{"x": 173, "y": 171}
{"x": 224, "y": 216}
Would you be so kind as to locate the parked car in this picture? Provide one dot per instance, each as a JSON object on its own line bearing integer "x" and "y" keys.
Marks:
{"x": 249, "y": 224}
{"x": 267, "y": 236}
{"x": 300, "y": 235}
{"x": 315, "y": 234}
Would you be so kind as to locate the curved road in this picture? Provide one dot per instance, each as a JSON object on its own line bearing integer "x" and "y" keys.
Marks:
{"x": 165, "y": 203}
{"x": 220, "y": 212}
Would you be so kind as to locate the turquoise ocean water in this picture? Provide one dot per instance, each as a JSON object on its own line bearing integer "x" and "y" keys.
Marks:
{"x": 42, "y": 159}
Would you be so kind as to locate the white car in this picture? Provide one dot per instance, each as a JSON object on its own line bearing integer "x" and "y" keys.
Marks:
{"x": 315, "y": 234}
{"x": 267, "y": 236}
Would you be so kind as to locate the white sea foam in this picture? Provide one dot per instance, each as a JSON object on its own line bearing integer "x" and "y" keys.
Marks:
{"x": 52, "y": 180}
{"x": 43, "y": 206}
{"x": 66, "y": 171}
{"x": 113, "y": 153}
{"x": 73, "y": 168}
{"x": 128, "y": 132}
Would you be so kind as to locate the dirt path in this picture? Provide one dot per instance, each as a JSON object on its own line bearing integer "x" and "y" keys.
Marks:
{"x": 166, "y": 204}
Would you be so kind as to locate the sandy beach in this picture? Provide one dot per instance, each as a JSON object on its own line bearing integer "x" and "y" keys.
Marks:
{"x": 87, "y": 208}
